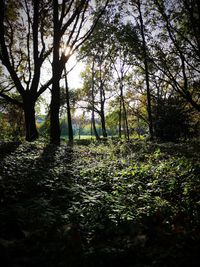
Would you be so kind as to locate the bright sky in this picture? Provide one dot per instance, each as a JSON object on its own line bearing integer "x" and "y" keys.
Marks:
{"x": 74, "y": 78}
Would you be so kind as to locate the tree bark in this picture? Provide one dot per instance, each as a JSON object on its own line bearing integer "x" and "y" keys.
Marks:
{"x": 102, "y": 113}
{"x": 54, "y": 114}
{"x": 123, "y": 115}
{"x": 126, "y": 130}
{"x": 93, "y": 103}
{"x": 103, "y": 124}
{"x": 55, "y": 93}
{"x": 94, "y": 126}
{"x": 120, "y": 117}
{"x": 30, "y": 125}
{"x": 102, "y": 103}
{"x": 69, "y": 120}
{"x": 146, "y": 72}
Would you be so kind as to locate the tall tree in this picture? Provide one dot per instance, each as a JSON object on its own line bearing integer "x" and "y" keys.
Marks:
{"x": 69, "y": 120}
{"x": 23, "y": 51}
{"x": 28, "y": 37}
{"x": 88, "y": 93}
{"x": 69, "y": 19}
{"x": 146, "y": 67}
{"x": 138, "y": 7}
{"x": 177, "y": 46}
{"x": 124, "y": 50}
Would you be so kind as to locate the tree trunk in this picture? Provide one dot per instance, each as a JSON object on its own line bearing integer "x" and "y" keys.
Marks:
{"x": 102, "y": 103}
{"x": 55, "y": 92}
{"x": 54, "y": 115}
{"x": 126, "y": 128}
{"x": 103, "y": 121}
{"x": 30, "y": 125}
{"x": 125, "y": 119}
{"x": 123, "y": 115}
{"x": 69, "y": 120}
{"x": 91, "y": 133}
{"x": 146, "y": 72}
{"x": 94, "y": 126}
{"x": 120, "y": 118}
{"x": 93, "y": 103}
{"x": 103, "y": 125}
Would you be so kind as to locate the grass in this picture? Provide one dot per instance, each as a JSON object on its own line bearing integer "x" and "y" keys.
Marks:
{"x": 100, "y": 204}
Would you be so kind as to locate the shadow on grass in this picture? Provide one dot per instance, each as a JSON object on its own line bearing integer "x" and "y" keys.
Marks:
{"x": 7, "y": 147}
{"x": 32, "y": 229}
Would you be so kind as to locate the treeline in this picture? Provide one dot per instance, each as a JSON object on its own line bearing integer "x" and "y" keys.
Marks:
{"x": 142, "y": 65}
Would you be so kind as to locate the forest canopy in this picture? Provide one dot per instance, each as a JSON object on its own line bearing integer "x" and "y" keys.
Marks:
{"x": 141, "y": 74}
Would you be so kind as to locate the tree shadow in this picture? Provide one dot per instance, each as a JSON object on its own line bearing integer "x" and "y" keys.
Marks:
{"x": 47, "y": 192}
{"x": 7, "y": 147}
{"x": 51, "y": 171}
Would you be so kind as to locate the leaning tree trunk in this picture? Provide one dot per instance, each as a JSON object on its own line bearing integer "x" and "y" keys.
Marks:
{"x": 30, "y": 125}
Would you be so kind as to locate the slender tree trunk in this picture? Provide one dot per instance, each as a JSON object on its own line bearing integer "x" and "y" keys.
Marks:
{"x": 103, "y": 121}
{"x": 69, "y": 120}
{"x": 123, "y": 115}
{"x": 30, "y": 125}
{"x": 54, "y": 114}
{"x": 125, "y": 120}
{"x": 94, "y": 126}
{"x": 93, "y": 99}
{"x": 146, "y": 72}
{"x": 55, "y": 94}
{"x": 102, "y": 103}
{"x": 120, "y": 117}
{"x": 103, "y": 125}
{"x": 91, "y": 133}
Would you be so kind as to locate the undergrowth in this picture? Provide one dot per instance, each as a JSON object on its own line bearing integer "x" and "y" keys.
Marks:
{"x": 100, "y": 204}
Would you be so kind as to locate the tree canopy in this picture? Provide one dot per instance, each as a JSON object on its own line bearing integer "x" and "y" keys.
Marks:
{"x": 137, "y": 54}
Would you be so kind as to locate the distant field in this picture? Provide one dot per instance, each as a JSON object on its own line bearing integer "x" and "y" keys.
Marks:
{"x": 89, "y": 137}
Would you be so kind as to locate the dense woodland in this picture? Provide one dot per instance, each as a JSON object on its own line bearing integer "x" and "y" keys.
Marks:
{"x": 109, "y": 175}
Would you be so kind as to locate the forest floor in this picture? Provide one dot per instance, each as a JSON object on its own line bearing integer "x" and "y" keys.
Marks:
{"x": 100, "y": 204}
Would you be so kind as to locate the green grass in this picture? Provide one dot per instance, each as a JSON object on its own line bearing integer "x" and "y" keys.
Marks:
{"x": 105, "y": 204}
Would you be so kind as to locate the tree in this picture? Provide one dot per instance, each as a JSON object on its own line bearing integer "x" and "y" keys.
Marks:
{"x": 96, "y": 49}
{"x": 143, "y": 55}
{"x": 23, "y": 51}
{"x": 177, "y": 49}
{"x": 146, "y": 67}
{"x": 123, "y": 55}
{"x": 69, "y": 120}
{"x": 172, "y": 119}
{"x": 80, "y": 122}
{"x": 26, "y": 29}
{"x": 68, "y": 22}
{"x": 89, "y": 92}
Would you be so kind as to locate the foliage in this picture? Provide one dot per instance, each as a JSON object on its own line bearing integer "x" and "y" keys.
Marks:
{"x": 101, "y": 204}
{"x": 11, "y": 123}
{"x": 172, "y": 119}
